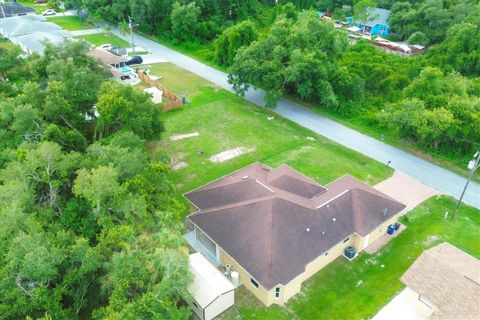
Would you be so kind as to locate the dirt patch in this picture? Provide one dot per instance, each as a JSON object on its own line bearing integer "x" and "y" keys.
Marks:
{"x": 431, "y": 239}
{"x": 183, "y": 136}
{"x": 179, "y": 165}
{"x": 230, "y": 154}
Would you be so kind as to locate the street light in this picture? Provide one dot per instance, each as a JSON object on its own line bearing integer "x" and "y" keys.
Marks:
{"x": 132, "y": 25}
{"x": 472, "y": 166}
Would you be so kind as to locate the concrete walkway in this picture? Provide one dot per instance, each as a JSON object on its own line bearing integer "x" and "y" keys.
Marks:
{"x": 430, "y": 174}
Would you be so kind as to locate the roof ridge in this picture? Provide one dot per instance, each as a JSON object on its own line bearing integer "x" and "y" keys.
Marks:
{"x": 270, "y": 236}
{"x": 235, "y": 204}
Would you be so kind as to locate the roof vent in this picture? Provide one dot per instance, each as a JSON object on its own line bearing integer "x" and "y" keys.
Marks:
{"x": 244, "y": 177}
{"x": 308, "y": 229}
{"x": 328, "y": 205}
{"x": 323, "y": 232}
{"x": 334, "y": 219}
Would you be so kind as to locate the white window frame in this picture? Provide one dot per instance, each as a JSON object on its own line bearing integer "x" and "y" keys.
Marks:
{"x": 277, "y": 292}
{"x": 254, "y": 283}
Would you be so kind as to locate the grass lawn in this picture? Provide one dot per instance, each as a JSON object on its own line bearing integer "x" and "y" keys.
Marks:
{"x": 39, "y": 8}
{"x": 70, "y": 22}
{"x": 103, "y": 38}
{"x": 333, "y": 292}
{"x": 225, "y": 121}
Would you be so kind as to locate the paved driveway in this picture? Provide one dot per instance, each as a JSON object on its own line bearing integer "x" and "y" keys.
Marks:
{"x": 406, "y": 190}
{"x": 430, "y": 174}
{"x": 405, "y": 306}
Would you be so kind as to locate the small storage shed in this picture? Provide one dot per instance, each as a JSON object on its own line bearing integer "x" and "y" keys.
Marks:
{"x": 212, "y": 292}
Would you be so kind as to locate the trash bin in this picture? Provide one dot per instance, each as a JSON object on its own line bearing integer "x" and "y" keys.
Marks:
{"x": 391, "y": 229}
{"x": 397, "y": 226}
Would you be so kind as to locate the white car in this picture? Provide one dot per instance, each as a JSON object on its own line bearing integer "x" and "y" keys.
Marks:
{"x": 49, "y": 12}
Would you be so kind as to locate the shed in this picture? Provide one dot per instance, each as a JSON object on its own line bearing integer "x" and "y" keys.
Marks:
{"x": 212, "y": 292}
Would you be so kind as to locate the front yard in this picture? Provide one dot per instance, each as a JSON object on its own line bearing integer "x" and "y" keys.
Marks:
{"x": 104, "y": 38}
{"x": 71, "y": 23}
{"x": 224, "y": 121}
{"x": 359, "y": 289}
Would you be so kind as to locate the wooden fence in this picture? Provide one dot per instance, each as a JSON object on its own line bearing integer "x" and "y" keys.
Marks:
{"x": 174, "y": 101}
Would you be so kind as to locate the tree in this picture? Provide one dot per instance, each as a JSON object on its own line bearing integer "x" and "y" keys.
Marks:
{"x": 184, "y": 20}
{"x": 124, "y": 108}
{"x": 98, "y": 186}
{"x": 233, "y": 38}
{"x": 362, "y": 12}
{"x": 418, "y": 38}
{"x": 297, "y": 57}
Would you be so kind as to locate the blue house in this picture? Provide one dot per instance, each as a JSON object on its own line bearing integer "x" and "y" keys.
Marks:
{"x": 377, "y": 24}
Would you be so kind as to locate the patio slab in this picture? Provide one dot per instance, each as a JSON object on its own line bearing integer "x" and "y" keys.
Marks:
{"x": 405, "y": 306}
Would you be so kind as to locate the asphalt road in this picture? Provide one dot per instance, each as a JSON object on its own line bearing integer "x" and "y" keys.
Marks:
{"x": 430, "y": 174}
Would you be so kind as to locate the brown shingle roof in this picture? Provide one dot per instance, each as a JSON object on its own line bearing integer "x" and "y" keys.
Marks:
{"x": 262, "y": 223}
{"x": 449, "y": 278}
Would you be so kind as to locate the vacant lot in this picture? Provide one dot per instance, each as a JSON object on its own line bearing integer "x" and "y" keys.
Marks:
{"x": 104, "y": 38}
{"x": 359, "y": 289}
{"x": 71, "y": 22}
{"x": 225, "y": 122}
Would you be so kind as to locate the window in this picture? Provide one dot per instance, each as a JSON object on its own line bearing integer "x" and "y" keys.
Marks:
{"x": 326, "y": 254}
{"x": 196, "y": 305}
{"x": 425, "y": 301}
{"x": 255, "y": 283}
{"x": 206, "y": 242}
{"x": 277, "y": 292}
{"x": 346, "y": 240}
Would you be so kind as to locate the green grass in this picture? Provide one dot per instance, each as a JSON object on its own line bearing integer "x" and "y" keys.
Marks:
{"x": 104, "y": 38}
{"x": 71, "y": 22}
{"x": 333, "y": 293}
{"x": 39, "y": 8}
{"x": 226, "y": 121}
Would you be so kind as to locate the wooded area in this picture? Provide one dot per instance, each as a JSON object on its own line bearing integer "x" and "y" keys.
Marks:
{"x": 89, "y": 224}
{"x": 289, "y": 51}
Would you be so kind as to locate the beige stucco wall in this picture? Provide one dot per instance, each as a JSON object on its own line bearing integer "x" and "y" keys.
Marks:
{"x": 294, "y": 286}
{"x": 261, "y": 293}
{"x": 290, "y": 289}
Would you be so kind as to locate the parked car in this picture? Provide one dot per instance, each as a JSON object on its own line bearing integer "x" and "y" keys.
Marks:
{"x": 49, "y": 12}
{"x": 134, "y": 60}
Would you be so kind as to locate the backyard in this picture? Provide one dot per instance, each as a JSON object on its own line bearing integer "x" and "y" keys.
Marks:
{"x": 71, "y": 23}
{"x": 359, "y": 289}
{"x": 224, "y": 121}
{"x": 104, "y": 38}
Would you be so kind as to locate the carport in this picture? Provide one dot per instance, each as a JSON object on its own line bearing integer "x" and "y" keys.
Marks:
{"x": 212, "y": 292}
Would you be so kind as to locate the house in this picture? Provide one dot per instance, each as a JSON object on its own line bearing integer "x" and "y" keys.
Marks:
{"x": 14, "y": 9}
{"x": 377, "y": 24}
{"x": 211, "y": 291}
{"x": 37, "y": 41}
{"x": 107, "y": 58}
{"x": 32, "y": 33}
{"x": 447, "y": 281}
{"x": 277, "y": 227}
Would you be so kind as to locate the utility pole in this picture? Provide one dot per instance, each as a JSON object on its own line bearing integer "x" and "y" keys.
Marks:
{"x": 473, "y": 166}
{"x": 131, "y": 25}
{"x": 1, "y": 6}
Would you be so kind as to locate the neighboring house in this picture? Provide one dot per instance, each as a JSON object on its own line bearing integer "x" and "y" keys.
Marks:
{"x": 107, "y": 58}
{"x": 211, "y": 291}
{"x": 377, "y": 25}
{"x": 14, "y": 9}
{"x": 447, "y": 280}
{"x": 277, "y": 227}
{"x": 37, "y": 41}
